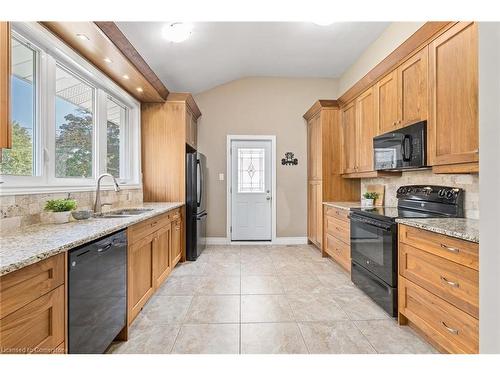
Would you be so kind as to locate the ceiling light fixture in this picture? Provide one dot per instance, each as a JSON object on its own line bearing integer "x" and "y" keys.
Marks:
{"x": 139, "y": 89}
{"x": 108, "y": 60}
{"x": 125, "y": 76}
{"x": 177, "y": 32}
{"x": 82, "y": 36}
{"x": 323, "y": 22}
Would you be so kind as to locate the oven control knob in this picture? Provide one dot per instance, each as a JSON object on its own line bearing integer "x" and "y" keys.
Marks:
{"x": 441, "y": 193}
{"x": 449, "y": 194}
{"x": 401, "y": 190}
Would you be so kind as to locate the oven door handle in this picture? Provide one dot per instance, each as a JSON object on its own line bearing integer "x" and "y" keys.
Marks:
{"x": 384, "y": 226}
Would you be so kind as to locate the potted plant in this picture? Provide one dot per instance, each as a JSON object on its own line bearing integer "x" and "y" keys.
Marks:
{"x": 368, "y": 199}
{"x": 60, "y": 210}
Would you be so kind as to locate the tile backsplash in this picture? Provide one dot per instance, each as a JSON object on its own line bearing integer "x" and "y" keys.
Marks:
{"x": 468, "y": 182}
{"x": 27, "y": 209}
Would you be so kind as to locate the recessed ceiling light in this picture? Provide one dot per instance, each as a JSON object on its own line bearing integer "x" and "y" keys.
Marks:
{"x": 82, "y": 36}
{"x": 108, "y": 60}
{"x": 139, "y": 89}
{"x": 323, "y": 22}
{"x": 125, "y": 76}
{"x": 177, "y": 32}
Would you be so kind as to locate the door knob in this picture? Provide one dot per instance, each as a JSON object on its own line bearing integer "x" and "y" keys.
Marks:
{"x": 268, "y": 198}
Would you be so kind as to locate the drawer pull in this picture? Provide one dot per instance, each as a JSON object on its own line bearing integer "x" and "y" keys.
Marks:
{"x": 154, "y": 223}
{"x": 450, "y": 283}
{"x": 451, "y": 330}
{"x": 451, "y": 249}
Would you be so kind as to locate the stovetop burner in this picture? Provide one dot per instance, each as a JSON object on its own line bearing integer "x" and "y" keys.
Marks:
{"x": 396, "y": 213}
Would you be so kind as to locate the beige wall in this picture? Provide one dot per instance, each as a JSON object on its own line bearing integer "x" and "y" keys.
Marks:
{"x": 260, "y": 106}
{"x": 395, "y": 34}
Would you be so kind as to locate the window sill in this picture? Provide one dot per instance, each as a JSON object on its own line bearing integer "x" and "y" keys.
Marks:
{"x": 16, "y": 190}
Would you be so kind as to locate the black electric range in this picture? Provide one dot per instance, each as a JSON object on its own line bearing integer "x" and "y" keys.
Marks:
{"x": 374, "y": 237}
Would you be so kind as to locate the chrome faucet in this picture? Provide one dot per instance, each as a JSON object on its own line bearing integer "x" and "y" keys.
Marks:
{"x": 98, "y": 205}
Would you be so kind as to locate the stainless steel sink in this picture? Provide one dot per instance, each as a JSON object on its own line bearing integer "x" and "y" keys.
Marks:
{"x": 125, "y": 212}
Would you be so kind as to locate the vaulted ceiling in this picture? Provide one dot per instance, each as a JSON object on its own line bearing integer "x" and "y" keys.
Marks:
{"x": 219, "y": 52}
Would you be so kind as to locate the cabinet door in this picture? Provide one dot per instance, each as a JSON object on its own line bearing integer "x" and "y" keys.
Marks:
{"x": 314, "y": 212}
{"x": 141, "y": 283}
{"x": 5, "y": 66}
{"x": 453, "y": 125}
{"x": 387, "y": 102}
{"x": 318, "y": 211}
{"x": 162, "y": 254}
{"x": 194, "y": 132}
{"x": 413, "y": 89}
{"x": 176, "y": 241}
{"x": 366, "y": 129}
{"x": 349, "y": 149}
{"x": 314, "y": 147}
{"x": 37, "y": 327}
{"x": 189, "y": 132}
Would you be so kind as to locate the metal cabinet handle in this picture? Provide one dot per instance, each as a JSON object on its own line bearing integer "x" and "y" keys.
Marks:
{"x": 450, "y": 283}
{"x": 452, "y": 249}
{"x": 104, "y": 248}
{"x": 451, "y": 330}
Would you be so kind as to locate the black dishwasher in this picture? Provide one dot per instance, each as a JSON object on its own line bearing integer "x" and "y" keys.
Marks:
{"x": 97, "y": 293}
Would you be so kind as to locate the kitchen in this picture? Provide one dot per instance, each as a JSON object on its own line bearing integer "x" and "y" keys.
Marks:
{"x": 167, "y": 210}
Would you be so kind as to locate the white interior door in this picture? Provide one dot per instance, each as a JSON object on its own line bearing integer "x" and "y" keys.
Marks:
{"x": 251, "y": 179}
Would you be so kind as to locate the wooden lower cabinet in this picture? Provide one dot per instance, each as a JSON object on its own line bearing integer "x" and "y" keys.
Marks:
{"x": 141, "y": 281}
{"x": 176, "y": 241}
{"x": 438, "y": 287}
{"x": 162, "y": 252}
{"x": 337, "y": 236}
{"x": 155, "y": 247}
{"x": 33, "y": 308}
{"x": 315, "y": 213}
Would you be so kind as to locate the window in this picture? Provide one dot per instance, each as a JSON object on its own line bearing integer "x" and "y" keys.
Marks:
{"x": 115, "y": 137}
{"x": 19, "y": 161}
{"x": 74, "y": 126}
{"x": 71, "y": 123}
{"x": 251, "y": 170}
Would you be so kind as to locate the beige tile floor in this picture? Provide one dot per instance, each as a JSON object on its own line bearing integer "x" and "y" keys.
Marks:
{"x": 264, "y": 299}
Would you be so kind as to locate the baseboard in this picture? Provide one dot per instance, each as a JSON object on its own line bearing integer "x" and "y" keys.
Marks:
{"x": 278, "y": 241}
{"x": 290, "y": 241}
{"x": 217, "y": 241}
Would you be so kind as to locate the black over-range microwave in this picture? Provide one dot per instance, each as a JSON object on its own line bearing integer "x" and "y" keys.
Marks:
{"x": 404, "y": 148}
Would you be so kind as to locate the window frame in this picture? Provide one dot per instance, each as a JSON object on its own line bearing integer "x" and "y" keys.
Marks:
{"x": 52, "y": 52}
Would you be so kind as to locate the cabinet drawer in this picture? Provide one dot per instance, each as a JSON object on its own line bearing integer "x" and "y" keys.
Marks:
{"x": 37, "y": 327}
{"x": 21, "y": 287}
{"x": 459, "y": 251}
{"x": 138, "y": 231}
{"x": 451, "y": 328}
{"x": 338, "y": 228}
{"x": 453, "y": 282}
{"x": 337, "y": 213}
{"x": 339, "y": 251}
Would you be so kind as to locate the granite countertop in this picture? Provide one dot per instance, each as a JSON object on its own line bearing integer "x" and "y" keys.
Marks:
{"x": 32, "y": 244}
{"x": 464, "y": 229}
{"x": 343, "y": 205}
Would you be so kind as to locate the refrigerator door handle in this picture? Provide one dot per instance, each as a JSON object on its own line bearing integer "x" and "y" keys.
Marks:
{"x": 201, "y": 216}
{"x": 200, "y": 174}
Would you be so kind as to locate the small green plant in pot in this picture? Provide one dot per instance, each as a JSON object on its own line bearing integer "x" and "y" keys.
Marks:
{"x": 368, "y": 199}
{"x": 60, "y": 210}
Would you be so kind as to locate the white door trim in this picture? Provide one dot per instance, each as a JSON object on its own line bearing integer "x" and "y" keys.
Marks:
{"x": 229, "y": 176}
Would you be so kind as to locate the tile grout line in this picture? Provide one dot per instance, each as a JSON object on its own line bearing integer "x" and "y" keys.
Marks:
{"x": 366, "y": 338}
{"x": 182, "y": 323}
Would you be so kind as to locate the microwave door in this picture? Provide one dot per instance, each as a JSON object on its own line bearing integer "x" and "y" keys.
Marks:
{"x": 388, "y": 151}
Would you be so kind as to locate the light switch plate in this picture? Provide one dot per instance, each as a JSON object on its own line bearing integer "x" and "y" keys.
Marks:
{"x": 221, "y": 176}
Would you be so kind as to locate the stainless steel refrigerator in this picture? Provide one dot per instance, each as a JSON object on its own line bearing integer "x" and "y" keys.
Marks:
{"x": 196, "y": 214}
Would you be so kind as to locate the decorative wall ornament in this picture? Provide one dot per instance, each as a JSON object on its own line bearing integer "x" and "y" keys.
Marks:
{"x": 289, "y": 159}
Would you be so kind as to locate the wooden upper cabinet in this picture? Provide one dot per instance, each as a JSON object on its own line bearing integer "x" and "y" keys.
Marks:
{"x": 314, "y": 147}
{"x": 413, "y": 84}
{"x": 366, "y": 129}
{"x": 453, "y": 131}
{"x": 387, "y": 102}
{"x": 5, "y": 69}
{"x": 402, "y": 95}
{"x": 191, "y": 129}
{"x": 349, "y": 138}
